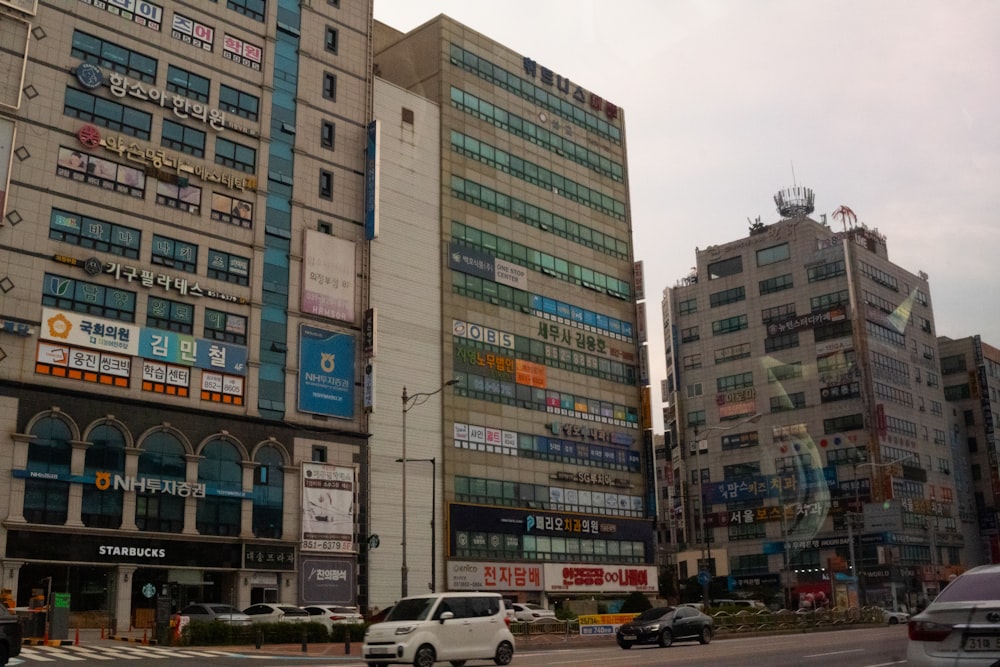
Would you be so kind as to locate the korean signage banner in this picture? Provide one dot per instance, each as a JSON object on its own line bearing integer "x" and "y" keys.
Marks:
{"x": 581, "y": 578}
{"x": 326, "y": 372}
{"x": 487, "y": 576}
{"x": 327, "y": 508}
{"x": 372, "y": 175}
{"x": 328, "y": 270}
{"x": 327, "y": 580}
{"x": 97, "y": 333}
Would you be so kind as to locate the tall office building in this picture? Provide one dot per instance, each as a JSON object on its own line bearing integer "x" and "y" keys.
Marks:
{"x": 182, "y": 291}
{"x": 970, "y": 374}
{"x": 519, "y": 284}
{"x": 811, "y": 457}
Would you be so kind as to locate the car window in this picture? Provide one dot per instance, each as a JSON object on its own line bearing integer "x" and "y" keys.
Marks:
{"x": 315, "y": 611}
{"x": 293, "y": 611}
{"x": 971, "y": 588}
{"x": 412, "y": 609}
{"x": 482, "y": 606}
{"x": 654, "y": 614}
{"x": 225, "y": 609}
{"x": 193, "y": 609}
{"x": 684, "y": 612}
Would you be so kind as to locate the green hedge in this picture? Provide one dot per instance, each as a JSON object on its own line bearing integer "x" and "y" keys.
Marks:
{"x": 212, "y": 633}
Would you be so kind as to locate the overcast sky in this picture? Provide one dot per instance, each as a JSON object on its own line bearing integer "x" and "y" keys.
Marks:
{"x": 890, "y": 107}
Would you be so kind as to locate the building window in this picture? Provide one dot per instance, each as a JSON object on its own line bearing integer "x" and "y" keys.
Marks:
{"x": 170, "y": 315}
{"x": 109, "y": 114}
{"x": 689, "y": 334}
{"x": 826, "y": 301}
{"x": 832, "y": 331}
{"x": 725, "y": 267}
{"x": 332, "y": 39}
{"x": 268, "y": 493}
{"x": 220, "y": 468}
{"x": 83, "y": 297}
{"x": 226, "y": 327}
{"x": 183, "y": 198}
{"x": 185, "y": 139}
{"x": 325, "y": 184}
{"x": 788, "y": 401}
{"x": 696, "y": 418}
{"x": 731, "y": 353}
{"x": 733, "y": 382}
{"x": 234, "y": 211}
{"x": 237, "y": 102}
{"x": 953, "y": 364}
{"x": 826, "y": 271}
{"x": 111, "y": 56}
{"x": 692, "y": 361}
{"x": 729, "y": 325}
{"x": 328, "y": 134}
{"x": 49, "y": 454}
{"x": 330, "y": 86}
{"x": 782, "y": 342}
{"x": 853, "y": 422}
{"x": 88, "y": 232}
{"x": 103, "y": 509}
{"x": 253, "y": 8}
{"x": 318, "y": 454}
{"x": 229, "y": 268}
{"x": 731, "y": 295}
{"x": 784, "y": 372}
{"x": 773, "y": 254}
{"x": 187, "y": 84}
{"x": 162, "y": 457}
{"x": 234, "y": 155}
{"x": 687, "y": 306}
{"x": 175, "y": 254}
{"x": 777, "y": 313}
{"x": 694, "y": 390}
{"x": 776, "y": 284}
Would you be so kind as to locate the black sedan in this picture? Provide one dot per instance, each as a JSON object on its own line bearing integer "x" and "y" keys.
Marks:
{"x": 664, "y": 626}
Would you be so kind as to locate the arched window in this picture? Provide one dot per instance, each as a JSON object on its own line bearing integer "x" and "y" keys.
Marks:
{"x": 162, "y": 459}
{"x": 49, "y": 453}
{"x": 268, "y": 493}
{"x": 220, "y": 471}
{"x": 105, "y": 456}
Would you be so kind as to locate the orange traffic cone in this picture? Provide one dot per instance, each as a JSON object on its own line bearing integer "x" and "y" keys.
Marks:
{"x": 102, "y": 631}
{"x": 144, "y": 641}
{"x": 76, "y": 639}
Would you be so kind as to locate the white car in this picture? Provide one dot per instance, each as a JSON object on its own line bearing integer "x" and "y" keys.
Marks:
{"x": 529, "y": 611}
{"x": 211, "y": 611}
{"x": 893, "y": 617}
{"x": 273, "y": 612}
{"x": 452, "y": 627}
{"x": 961, "y": 627}
{"x": 331, "y": 615}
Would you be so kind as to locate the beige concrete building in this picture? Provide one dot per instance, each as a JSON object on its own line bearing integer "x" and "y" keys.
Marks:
{"x": 542, "y": 488}
{"x": 809, "y": 456}
{"x": 183, "y": 290}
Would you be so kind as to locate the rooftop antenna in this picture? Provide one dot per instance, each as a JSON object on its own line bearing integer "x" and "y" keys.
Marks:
{"x": 795, "y": 201}
{"x": 846, "y": 215}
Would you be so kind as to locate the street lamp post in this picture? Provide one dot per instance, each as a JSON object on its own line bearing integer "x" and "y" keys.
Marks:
{"x": 433, "y": 461}
{"x": 410, "y": 402}
{"x": 853, "y": 515}
{"x": 703, "y": 519}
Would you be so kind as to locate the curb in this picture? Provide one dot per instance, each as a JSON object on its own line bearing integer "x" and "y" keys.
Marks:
{"x": 133, "y": 640}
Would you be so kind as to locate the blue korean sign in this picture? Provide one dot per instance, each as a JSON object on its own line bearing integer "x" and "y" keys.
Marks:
{"x": 183, "y": 350}
{"x": 471, "y": 261}
{"x": 326, "y": 372}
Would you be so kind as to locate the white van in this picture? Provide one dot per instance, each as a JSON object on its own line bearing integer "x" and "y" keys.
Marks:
{"x": 454, "y": 627}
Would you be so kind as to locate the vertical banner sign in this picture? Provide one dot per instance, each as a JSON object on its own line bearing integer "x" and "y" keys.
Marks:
{"x": 327, "y": 508}
{"x": 328, "y": 270}
{"x": 372, "y": 181}
{"x": 637, "y": 281}
{"x": 6, "y": 150}
{"x": 326, "y": 372}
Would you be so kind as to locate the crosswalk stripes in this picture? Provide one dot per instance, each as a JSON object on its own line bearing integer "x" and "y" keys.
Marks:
{"x": 113, "y": 651}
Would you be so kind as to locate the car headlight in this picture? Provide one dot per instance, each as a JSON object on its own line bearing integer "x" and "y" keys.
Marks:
{"x": 655, "y": 627}
{"x": 405, "y": 629}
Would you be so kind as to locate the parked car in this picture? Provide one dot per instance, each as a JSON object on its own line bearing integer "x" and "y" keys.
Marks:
{"x": 529, "y": 611}
{"x": 894, "y": 617}
{"x": 330, "y": 615}
{"x": 455, "y": 627}
{"x": 273, "y": 612}
{"x": 209, "y": 611}
{"x": 665, "y": 625}
{"x": 10, "y": 635}
{"x": 962, "y": 625}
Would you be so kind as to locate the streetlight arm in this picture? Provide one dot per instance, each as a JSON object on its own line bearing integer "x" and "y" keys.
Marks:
{"x": 412, "y": 400}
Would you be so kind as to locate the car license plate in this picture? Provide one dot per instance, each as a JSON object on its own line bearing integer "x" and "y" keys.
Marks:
{"x": 628, "y": 638}
{"x": 991, "y": 643}
{"x": 380, "y": 650}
